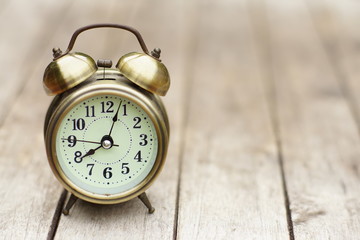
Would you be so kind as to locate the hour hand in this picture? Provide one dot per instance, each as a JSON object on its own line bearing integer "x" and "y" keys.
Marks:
{"x": 91, "y": 152}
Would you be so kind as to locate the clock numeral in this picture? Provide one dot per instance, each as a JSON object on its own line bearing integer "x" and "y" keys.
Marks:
{"x": 78, "y": 124}
{"x": 137, "y": 121}
{"x": 138, "y": 156}
{"x": 107, "y": 107}
{"x": 91, "y": 165}
{"x": 125, "y": 168}
{"x": 90, "y": 111}
{"x": 72, "y": 141}
{"x": 124, "y": 108}
{"x": 77, "y": 157}
{"x": 107, "y": 173}
{"x": 144, "y": 140}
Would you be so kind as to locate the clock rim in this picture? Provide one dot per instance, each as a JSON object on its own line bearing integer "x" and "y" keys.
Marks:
{"x": 149, "y": 102}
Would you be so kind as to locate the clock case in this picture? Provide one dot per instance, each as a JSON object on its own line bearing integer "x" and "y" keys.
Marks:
{"x": 129, "y": 80}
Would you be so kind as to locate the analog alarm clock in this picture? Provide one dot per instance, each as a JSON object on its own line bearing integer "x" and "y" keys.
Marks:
{"x": 106, "y": 130}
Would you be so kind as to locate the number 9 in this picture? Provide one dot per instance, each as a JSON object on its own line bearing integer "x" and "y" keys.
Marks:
{"x": 72, "y": 141}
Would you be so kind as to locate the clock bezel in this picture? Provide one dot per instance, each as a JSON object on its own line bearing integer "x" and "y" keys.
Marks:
{"x": 119, "y": 86}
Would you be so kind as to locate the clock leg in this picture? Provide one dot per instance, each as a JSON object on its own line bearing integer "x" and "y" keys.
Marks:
{"x": 143, "y": 197}
{"x": 69, "y": 204}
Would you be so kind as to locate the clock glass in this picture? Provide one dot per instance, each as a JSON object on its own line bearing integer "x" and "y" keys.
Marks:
{"x": 106, "y": 144}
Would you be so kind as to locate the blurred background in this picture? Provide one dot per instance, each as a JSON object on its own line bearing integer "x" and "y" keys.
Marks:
{"x": 264, "y": 109}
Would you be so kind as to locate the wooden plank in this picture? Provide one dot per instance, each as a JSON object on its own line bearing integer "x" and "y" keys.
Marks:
{"x": 317, "y": 131}
{"x": 130, "y": 220}
{"x": 230, "y": 176}
{"x": 20, "y": 43}
{"x": 258, "y": 16}
{"x": 230, "y": 183}
{"x": 27, "y": 202}
{"x": 337, "y": 27}
{"x": 30, "y": 191}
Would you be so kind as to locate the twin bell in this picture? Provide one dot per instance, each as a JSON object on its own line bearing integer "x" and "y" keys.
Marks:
{"x": 68, "y": 69}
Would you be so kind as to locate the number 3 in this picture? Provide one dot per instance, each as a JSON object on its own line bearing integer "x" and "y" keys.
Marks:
{"x": 143, "y": 142}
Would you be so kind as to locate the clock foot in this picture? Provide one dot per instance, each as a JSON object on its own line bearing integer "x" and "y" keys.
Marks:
{"x": 69, "y": 204}
{"x": 143, "y": 197}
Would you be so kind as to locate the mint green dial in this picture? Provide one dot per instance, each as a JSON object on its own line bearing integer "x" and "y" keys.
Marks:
{"x": 106, "y": 144}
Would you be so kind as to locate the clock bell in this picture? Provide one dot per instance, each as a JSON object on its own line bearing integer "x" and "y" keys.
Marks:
{"x": 67, "y": 69}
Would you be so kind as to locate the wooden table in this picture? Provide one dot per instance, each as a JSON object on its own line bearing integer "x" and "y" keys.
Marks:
{"x": 264, "y": 107}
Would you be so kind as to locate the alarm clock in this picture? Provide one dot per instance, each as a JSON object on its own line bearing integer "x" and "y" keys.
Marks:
{"x": 106, "y": 131}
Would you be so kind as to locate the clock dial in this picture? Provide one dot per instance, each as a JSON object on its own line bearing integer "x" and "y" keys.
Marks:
{"x": 106, "y": 144}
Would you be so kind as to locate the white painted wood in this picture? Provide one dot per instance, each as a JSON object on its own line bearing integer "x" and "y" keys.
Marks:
{"x": 28, "y": 191}
{"x": 337, "y": 27}
{"x": 230, "y": 176}
{"x": 234, "y": 65}
{"x": 318, "y": 133}
{"x": 22, "y": 28}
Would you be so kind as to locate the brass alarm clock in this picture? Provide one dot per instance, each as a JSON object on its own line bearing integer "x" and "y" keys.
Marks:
{"x": 106, "y": 130}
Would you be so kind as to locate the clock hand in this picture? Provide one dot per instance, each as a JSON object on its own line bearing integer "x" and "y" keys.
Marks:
{"x": 91, "y": 152}
{"x": 106, "y": 143}
{"x": 114, "y": 145}
{"x": 77, "y": 140}
{"x": 115, "y": 118}
{"x": 87, "y": 141}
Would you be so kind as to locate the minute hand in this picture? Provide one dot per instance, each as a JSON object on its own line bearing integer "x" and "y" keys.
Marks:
{"x": 115, "y": 118}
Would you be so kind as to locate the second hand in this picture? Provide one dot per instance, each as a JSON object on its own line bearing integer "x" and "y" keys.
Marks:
{"x": 65, "y": 139}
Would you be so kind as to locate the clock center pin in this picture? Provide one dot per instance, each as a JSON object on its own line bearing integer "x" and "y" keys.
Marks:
{"x": 106, "y": 144}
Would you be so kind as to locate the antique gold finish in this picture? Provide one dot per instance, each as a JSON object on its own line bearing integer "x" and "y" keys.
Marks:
{"x": 119, "y": 86}
{"x": 68, "y": 71}
{"x": 146, "y": 201}
{"x": 104, "y": 25}
{"x": 145, "y": 71}
{"x": 136, "y": 72}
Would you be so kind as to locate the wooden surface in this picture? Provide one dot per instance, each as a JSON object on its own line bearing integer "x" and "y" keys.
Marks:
{"x": 264, "y": 107}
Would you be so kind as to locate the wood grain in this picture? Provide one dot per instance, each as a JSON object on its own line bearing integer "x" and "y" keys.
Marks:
{"x": 21, "y": 43}
{"x": 264, "y": 109}
{"x": 28, "y": 191}
{"x": 230, "y": 177}
{"x": 318, "y": 133}
{"x": 336, "y": 24}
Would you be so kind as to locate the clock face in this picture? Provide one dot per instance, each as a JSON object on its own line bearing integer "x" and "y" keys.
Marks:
{"x": 106, "y": 144}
